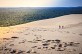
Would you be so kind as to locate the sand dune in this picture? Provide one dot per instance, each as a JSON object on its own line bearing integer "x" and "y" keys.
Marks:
{"x": 44, "y": 36}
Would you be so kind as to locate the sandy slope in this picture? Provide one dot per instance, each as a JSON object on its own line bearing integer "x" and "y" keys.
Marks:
{"x": 21, "y": 39}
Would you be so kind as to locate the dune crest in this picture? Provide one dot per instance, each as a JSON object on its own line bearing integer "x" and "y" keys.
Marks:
{"x": 44, "y": 36}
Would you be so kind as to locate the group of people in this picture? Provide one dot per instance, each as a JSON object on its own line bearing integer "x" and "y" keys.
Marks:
{"x": 61, "y": 27}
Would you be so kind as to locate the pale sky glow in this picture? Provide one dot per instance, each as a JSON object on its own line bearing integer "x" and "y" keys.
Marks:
{"x": 25, "y": 3}
{"x": 40, "y": 3}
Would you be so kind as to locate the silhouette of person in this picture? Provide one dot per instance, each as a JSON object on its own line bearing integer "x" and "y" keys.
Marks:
{"x": 62, "y": 27}
{"x": 59, "y": 27}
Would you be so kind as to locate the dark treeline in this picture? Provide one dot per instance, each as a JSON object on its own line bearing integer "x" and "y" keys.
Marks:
{"x": 15, "y": 16}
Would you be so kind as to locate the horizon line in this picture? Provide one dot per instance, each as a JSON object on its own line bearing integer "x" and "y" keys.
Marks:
{"x": 37, "y": 7}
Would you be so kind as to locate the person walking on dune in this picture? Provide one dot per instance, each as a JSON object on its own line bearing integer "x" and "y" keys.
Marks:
{"x": 62, "y": 27}
{"x": 59, "y": 27}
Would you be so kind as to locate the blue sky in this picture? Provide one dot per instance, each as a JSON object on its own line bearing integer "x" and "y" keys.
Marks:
{"x": 68, "y": 3}
{"x": 40, "y": 3}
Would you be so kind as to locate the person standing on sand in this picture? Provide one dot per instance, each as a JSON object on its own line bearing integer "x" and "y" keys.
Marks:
{"x": 62, "y": 27}
{"x": 59, "y": 27}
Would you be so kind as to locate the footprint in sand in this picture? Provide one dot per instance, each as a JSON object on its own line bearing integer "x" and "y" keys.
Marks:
{"x": 11, "y": 45}
{"x": 80, "y": 53}
{"x": 23, "y": 41}
{"x": 66, "y": 31}
{"x": 31, "y": 51}
{"x": 80, "y": 34}
{"x": 74, "y": 33}
{"x": 14, "y": 37}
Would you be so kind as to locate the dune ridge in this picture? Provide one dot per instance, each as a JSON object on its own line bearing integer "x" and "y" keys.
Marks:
{"x": 44, "y": 36}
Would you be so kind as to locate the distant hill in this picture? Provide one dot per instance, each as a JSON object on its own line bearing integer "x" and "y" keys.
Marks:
{"x": 15, "y": 16}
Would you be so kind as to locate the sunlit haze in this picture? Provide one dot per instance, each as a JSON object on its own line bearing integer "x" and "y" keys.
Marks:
{"x": 40, "y": 3}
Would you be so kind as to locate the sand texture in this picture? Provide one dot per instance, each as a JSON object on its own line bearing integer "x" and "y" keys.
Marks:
{"x": 61, "y": 35}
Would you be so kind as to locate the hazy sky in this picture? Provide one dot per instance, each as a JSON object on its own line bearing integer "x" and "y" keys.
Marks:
{"x": 40, "y": 3}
